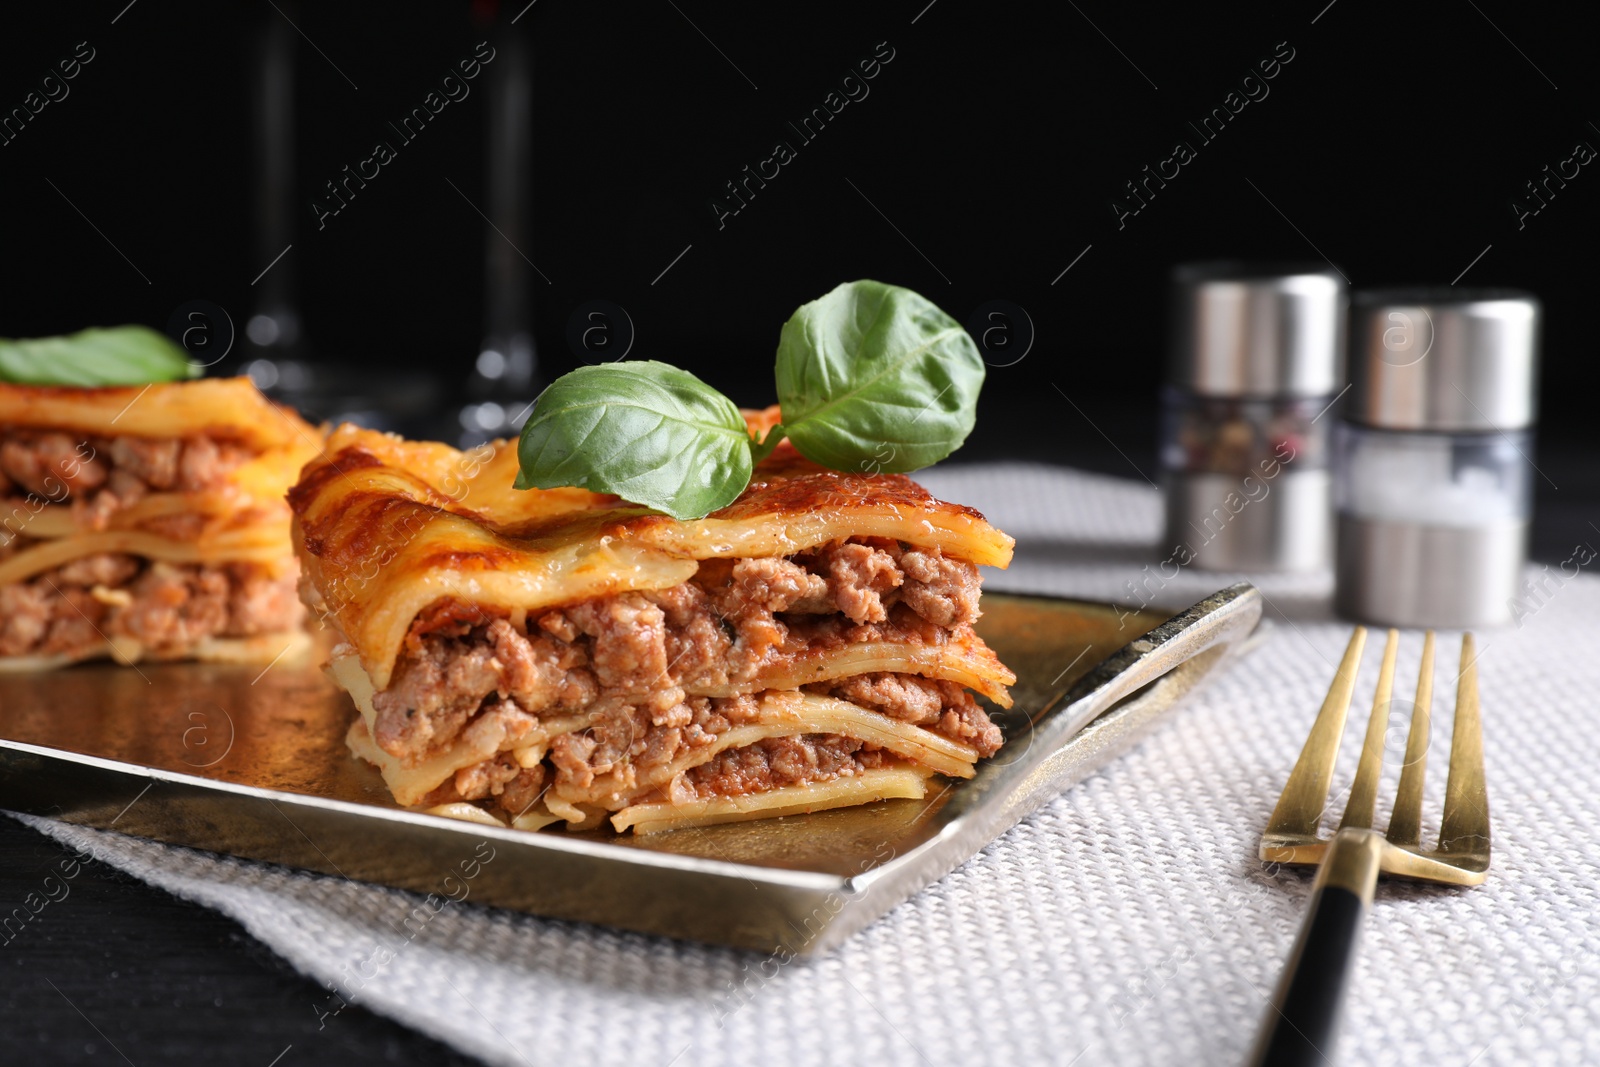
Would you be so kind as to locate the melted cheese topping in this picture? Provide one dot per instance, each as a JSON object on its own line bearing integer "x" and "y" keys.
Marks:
{"x": 230, "y": 409}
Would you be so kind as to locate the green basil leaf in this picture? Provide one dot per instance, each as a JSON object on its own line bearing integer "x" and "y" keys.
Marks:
{"x": 874, "y": 377}
{"x": 120, "y": 355}
{"x": 646, "y": 431}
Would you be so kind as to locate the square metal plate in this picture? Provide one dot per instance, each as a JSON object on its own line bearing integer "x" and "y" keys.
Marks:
{"x": 252, "y": 763}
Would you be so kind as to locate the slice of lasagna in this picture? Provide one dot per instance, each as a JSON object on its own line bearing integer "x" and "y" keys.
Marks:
{"x": 527, "y": 657}
{"x": 147, "y": 523}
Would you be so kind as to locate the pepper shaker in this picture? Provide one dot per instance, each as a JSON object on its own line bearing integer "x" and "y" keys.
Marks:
{"x": 1256, "y": 358}
{"x": 1435, "y": 484}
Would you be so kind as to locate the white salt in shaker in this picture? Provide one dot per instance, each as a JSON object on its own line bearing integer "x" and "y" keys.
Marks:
{"x": 1434, "y": 469}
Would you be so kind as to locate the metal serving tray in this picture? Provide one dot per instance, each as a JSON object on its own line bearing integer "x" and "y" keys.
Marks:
{"x": 252, "y": 763}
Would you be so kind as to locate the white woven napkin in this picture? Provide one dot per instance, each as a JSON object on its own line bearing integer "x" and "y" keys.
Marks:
{"x": 1128, "y": 922}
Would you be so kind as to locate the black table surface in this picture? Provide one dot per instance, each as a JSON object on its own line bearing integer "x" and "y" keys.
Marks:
{"x": 119, "y": 971}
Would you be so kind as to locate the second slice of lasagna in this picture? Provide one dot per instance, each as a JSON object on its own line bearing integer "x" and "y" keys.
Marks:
{"x": 528, "y": 657}
{"x": 147, "y": 523}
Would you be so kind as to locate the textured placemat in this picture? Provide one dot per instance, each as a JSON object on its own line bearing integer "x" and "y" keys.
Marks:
{"x": 1128, "y": 922}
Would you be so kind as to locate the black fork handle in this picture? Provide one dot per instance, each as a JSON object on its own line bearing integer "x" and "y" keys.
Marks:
{"x": 1302, "y": 1022}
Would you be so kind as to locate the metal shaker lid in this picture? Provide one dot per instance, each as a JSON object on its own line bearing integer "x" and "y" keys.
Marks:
{"x": 1240, "y": 329}
{"x": 1443, "y": 359}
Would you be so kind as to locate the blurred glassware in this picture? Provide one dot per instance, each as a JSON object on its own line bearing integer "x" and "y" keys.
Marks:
{"x": 503, "y": 381}
{"x": 273, "y": 351}
{"x": 399, "y": 402}
{"x": 1255, "y": 361}
{"x": 1435, "y": 485}
{"x": 272, "y": 329}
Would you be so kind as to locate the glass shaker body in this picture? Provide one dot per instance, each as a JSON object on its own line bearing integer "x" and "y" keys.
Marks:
{"x": 1247, "y": 480}
{"x": 1447, "y": 513}
{"x": 1255, "y": 358}
{"x": 1435, "y": 483}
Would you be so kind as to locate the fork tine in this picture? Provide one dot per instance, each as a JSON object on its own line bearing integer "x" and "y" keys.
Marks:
{"x": 1299, "y": 810}
{"x": 1405, "y": 825}
{"x": 1364, "y": 791}
{"x": 1465, "y": 827}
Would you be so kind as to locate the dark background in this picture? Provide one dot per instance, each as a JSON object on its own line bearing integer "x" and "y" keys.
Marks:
{"x": 981, "y": 165}
{"x": 1392, "y": 144}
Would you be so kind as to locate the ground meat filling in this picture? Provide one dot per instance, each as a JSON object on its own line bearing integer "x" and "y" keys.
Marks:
{"x": 635, "y": 749}
{"x": 638, "y": 762}
{"x": 99, "y": 476}
{"x": 166, "y": 607}
{"x": 622, "y": 664}
{"x": 937, "y": 705}
{"x": 777, "y": 762}
{"x": 447, "y": 674}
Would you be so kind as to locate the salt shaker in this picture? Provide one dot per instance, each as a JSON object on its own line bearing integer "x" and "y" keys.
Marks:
{"x": 1435, "y": 470}
{"x": 1255, "y": 359}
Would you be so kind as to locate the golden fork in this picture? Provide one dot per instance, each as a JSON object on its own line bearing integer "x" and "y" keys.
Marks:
{"x": 1299, "y": 1028}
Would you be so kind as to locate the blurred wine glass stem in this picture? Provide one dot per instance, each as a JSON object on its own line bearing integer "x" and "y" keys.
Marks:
{"x": 505, "y": 373}
{"x": 272, "y": 329}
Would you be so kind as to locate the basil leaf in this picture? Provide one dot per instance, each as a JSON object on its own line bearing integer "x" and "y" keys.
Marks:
{"x": 646, "y": 431}
{"x": 874, "y": 377}
{"x": 120, "y": 355}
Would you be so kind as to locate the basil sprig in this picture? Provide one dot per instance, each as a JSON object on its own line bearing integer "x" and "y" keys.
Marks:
{"x": 871, "y": 377}
{"x": 118, "y": 355}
